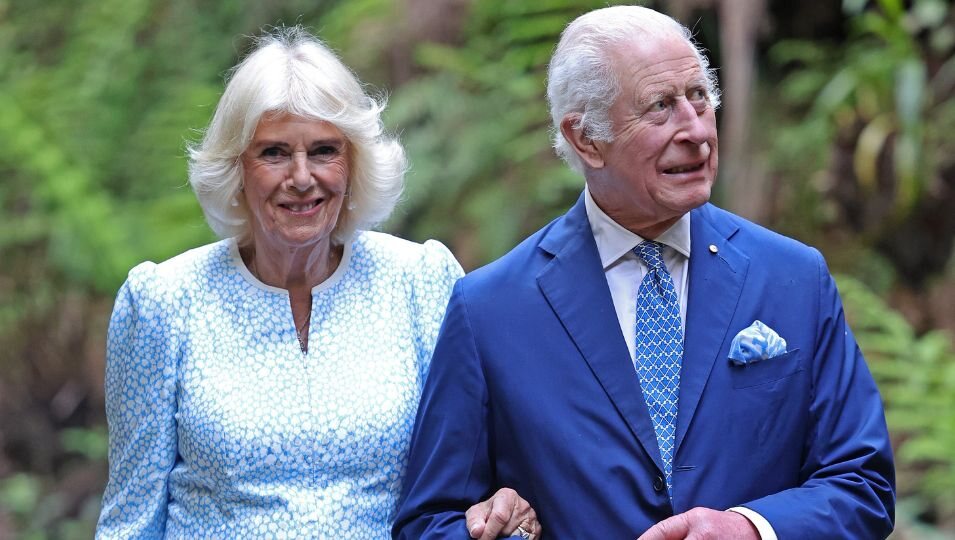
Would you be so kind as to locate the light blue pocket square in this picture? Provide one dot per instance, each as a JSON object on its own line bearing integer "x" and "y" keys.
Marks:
{"x": 758, "y": 342}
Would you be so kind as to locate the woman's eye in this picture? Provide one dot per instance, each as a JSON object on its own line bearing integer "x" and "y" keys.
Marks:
{"x": 272, "y": 152}
{"x": 325, "y": 150}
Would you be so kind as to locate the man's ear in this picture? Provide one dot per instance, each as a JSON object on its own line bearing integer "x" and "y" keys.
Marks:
{"x": 585, "y": 147}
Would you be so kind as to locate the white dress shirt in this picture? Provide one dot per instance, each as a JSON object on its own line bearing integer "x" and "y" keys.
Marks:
{"x": 624, "y": 272}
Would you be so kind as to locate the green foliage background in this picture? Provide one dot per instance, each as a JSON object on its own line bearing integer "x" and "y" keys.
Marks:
{"x": 100, "y": 98}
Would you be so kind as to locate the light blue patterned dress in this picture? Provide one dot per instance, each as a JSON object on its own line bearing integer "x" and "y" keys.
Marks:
{"x": 220, "y": 427}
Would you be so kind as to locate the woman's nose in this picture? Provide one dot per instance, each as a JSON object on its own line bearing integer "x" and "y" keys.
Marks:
{"x": 300, "y": 176}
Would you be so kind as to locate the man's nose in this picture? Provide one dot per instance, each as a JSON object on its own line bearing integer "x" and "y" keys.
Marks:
{"x": 695, "y": 126}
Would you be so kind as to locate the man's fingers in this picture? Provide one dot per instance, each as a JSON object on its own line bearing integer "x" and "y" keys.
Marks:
{"x": 524, "y": 517}
{"x": 703, "y": 523}
{"x": 673, "y": 528}
{"x": 476, "y": 516}
{"x": 501, "y": 515}
{"x": 502, "y": 506}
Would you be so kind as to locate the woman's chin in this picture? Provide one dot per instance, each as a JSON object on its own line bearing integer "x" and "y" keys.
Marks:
{"x": 295, "y": 238}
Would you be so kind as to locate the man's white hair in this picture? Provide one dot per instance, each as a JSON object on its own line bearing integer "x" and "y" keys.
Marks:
{"x": 581, "y": 77}
{"x": 291, "y": 71}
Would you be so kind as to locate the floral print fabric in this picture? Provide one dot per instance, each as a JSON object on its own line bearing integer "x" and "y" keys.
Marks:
{"x": 220, "y": 427}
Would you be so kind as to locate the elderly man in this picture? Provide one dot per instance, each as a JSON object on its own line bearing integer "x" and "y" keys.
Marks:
{"x": 649, "y": 363}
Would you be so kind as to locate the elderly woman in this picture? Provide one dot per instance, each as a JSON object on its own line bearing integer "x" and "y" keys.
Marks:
{"x": 266, "y": 385}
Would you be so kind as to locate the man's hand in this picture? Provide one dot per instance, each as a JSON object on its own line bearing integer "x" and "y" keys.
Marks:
{"x": 501, "y": 515}
{"x": 703, "y": 524}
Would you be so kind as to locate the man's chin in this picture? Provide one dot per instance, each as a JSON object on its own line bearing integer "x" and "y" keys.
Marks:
{"x": 693, "y": 200}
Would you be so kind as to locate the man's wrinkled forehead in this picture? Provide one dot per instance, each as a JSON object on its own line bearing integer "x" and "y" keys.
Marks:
{"x": 650, "y": 70}
{"x": 641, "y": 56}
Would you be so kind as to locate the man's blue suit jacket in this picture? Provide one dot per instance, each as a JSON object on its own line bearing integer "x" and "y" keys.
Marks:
{"x": 532, "y": 387}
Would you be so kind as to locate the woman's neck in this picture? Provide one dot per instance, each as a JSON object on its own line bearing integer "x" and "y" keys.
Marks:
{"x": 297, "y": 271}
{"x": 292, "y": 269}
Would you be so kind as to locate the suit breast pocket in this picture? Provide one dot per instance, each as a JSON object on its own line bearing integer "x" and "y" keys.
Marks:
{"x": 766, "y": 371}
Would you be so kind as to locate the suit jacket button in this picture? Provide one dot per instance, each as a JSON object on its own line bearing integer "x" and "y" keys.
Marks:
{"x": 658, "y": 484}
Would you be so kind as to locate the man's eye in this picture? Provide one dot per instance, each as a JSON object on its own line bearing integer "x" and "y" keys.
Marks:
{"x": 658, "y": 106}
{"x": 697, "y": 94}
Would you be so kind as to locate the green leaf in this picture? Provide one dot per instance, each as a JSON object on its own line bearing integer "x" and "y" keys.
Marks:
{"x": 20, "y": 493}
{"x": 865, "y": 159}
{"x": 836, "y": 92}
{"x": 910, "y": 93}
{"x": 91, "y": 443}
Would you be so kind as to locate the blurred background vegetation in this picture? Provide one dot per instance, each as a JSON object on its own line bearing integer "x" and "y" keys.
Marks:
{"x": 836, "y": 129}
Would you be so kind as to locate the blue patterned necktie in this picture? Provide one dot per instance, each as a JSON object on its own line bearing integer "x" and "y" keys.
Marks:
{"x": 659, "y": 350}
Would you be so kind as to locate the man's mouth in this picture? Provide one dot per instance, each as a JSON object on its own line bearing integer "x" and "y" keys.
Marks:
{"x": 684, "y": 168}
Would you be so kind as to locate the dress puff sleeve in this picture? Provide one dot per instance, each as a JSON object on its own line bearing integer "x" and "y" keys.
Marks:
{"x": 435, "y": 276}
{"x": 141, "y": 352}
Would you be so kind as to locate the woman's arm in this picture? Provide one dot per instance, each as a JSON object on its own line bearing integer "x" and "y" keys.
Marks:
{"x": 140, "y": 389}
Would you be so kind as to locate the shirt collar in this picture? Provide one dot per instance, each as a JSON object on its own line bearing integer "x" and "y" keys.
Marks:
{"x": 614, "y": 241}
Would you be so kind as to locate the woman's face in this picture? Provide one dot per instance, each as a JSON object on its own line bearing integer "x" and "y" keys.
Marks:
{"x": 295, "y": 180}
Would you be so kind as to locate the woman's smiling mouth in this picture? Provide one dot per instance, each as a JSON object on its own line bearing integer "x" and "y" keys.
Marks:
{"x": 300, "y": 207}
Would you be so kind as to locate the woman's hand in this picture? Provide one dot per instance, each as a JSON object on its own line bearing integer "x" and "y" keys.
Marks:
{"x": 504, "y": 514}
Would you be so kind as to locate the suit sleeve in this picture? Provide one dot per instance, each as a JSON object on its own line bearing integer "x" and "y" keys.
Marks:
{"x": 449, "y": 468}
{"x": 848, "y": 476}
{"x": 140, "y": 408}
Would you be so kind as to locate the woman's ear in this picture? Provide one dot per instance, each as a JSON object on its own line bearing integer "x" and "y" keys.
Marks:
{"x": 585, "y": 147}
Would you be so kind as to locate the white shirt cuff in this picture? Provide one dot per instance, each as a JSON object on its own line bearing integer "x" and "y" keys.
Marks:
{"x": 763, "y": 527}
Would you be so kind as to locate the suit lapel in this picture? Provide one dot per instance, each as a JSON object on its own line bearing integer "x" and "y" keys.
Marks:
{"x": 716, "y": 282}
{"x": 576, "y": 289}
